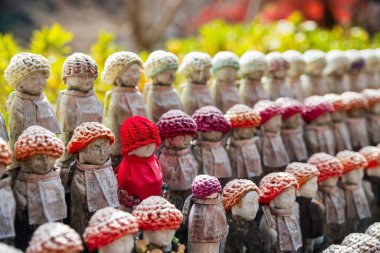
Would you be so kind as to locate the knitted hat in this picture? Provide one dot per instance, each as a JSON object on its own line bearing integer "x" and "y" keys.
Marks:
{"x": 36, "y": 140}
{"x": 210, "y": 118}
{"x": 335, "y": 60}
{"x": 137, "y": 132}
{"x": 370, "y": 57}
{"x": 235, "y": 190}
{"x": 267, "y": 109}
{"x": 159, "y": 61}
{"x": 295, "y": 60}
{"x": 224, "y": 59}
{"x": 252, "y": 61}
{"x": 361, "y": 243}
{"x": 372, "y": 155}
{"x": 372, "y": 96}
{"x": 289, "y": 107}
{"x": 276, "y": 61}
{"x": 108, "y": 225}
{"x": 5, "y": 153}
{"x": 241, "y": 116}
{"x": 176, "y": 122}
{"x": 274, "y": 184}
{"x": 86, "y": 133}
{"x": 328, "y": 166}
{"x": 194, "y": 61}
{"x": 8, "y": 249}
{"x": 302, "y": 171}
{"x": 118, "y": 62}
{"x": 23, "y": 64}
{"x": 79, "y": 64}
{"x": 351, "y": 160}
{"x": 355, "y": 59}
{"x": 336, "y": 101}
{"x": 354, "y": 100}
{"x": 156, "y": 213}
{"x": 337, "y": 249}
{"x": 314, "y": 107}
{"x": 314, "y": 57}
{"x": 54, "y": 237}
{"x": 204, "y": 186}
{"x": 374, "y": 230}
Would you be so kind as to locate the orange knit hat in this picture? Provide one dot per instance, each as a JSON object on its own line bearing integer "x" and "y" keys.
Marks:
{"x": 274, "y": 184}
{"x": 108, "y": 225}
{"x": 328, "y": 166}
{"x": 156, "y": 213}
{"x": 351, "y": 160}
{"x": 372, "y": 155}
{"x": 354, "y": 100}
{"x": 36, "y": 140}
{"x": 242, "y": 116}
{"x": 5, "y": 153}
{"x": 372, "y": 96}
{"x": 302, "y": 171}
{"x": 86, "y": 133}
{"x": 235, "y": 190}
{"x": 336, "y": 101}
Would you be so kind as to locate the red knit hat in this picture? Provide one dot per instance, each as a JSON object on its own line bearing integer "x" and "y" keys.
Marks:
{"x": 336, "y": 101}
{"x": 86, "y": 133}
{"x": 354, "y": 100}
{"x": 328, "y": 166}
{"x": 137, "y": 132}
{"x": 351, "y": 160}
{"x": 267, "y": 109}
{"x": 302, "y": 171}
{"x": 108, "y": 225}
{"x": 205, "y": 185}
{"x": 372, "y": 155}
{"x": 156, "y": 213}
{"x": 372, "y": 96}
{"x": 289, "y": 107}
{"x": 241, "y": 116}
{"x": 235, "y": 190}
{"x": 274, "y": 184}
{"x": 5, "y": 153}
{"x": 315, "y": 106}
{"x": 210, "y": 118}
{"x": 176, "y": 122}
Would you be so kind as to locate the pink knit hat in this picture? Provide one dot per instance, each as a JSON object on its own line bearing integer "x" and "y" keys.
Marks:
{"x": 328, "y": 166}
{"x": 174, "y": 123}
{"x": 289, "y": 107}
{"x": 315, "y": 106}
{"x": 210, "y": 118}
{"x": 205, "y": 185}
{"x": 267, "y": 109}
{"x": 351, "y": 160}
{"x": 354, "y": 100}
{"x": 241, "y": 116}
{"x": 274, "y": 184}
{"x": 302, "y": 171}
{"x": 372, "y": 155}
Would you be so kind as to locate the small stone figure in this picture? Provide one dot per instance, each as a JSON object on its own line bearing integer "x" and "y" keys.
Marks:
{"x": 292, "y": 129}
{"x": 356, "y": 67}
{"x": 275, "y": 83}
{"x": 177, "y": 162}
{"x": 318, "y": 135}
{"x": 122, "y": 69}
{"x": 208, "y": 150}
{"x": 330, "y": 196}
{"x": 160, "y": 96}
{"x": 3, "y": 128}
{"x": 335, "y": 72}
{"x": 293, "y": 77}
{"x": 373, "y": 114}
{"x": 356, "y": 105}
{"x": 270, "y": 144}
{"x": 374, "y": 230}
{"x": 224, "y": 91}
{"x": 253, "y": 67}
{"x": 93, "y": 183}
{"x": 111, "y": 231}
{"x": 361, "y": 243}
{"x": 38, "y": 191}
{"x": 311, "y": 220}
{"x": 8, "y": 249}
{"x": 372, "y": 65}
{"x": 139, "y": 174}
{"x": 55, "y": 238}
{"x": 207, "y": 218}
{"x": 279, "y": 224}
{"x": 158, "y": 220}
{"x": 244, "y": 156}
{"x": 240, "y": 199}
{"x": 195, "y": 68}
{"x": 312, "y": 80}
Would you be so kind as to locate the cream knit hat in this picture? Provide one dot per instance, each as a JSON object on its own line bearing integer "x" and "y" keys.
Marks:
{"x": 252, "y": 61}
{"x": 194, "y": 61}
{"x": 224, "y": 59}
{"x": 160, "y": 61}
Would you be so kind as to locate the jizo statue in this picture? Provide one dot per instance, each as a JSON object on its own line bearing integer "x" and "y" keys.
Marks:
{"x": 355, "y": 70}
{"x": 312, "y": 80}
{"x": 373, "y": 114}
{"x": 372, "y": 66}
{"x": 335, "y": 71}
{"x": 296, "y": 69}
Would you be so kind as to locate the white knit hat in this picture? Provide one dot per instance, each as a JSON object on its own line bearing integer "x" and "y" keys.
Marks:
{"x": 335, "y": 59}
{"x": 224, "y": 59}
{"x": 252, "y": 61}
{"x": 295, "y": 60}
{"x": 314, "y": 57}
{"x": 160, "y": 61}
{"x": 194, "y": 61}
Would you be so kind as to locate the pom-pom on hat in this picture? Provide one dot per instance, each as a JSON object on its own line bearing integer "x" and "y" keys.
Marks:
{"x": 374, "y": 230}
{"x": 156, "y": 213}
{"x": 276, "y": 61}
{"x": 359, "y": 242}
{"x": 224, "y": 59}
{"x": 176, "y": 122}
{"x": 314, "y": 107}
{"x": 79, "y": 64}
{"x": 108, "y": 225}
{"x": 137, "y": 132}
{"x": 24, "y": 64}
{"x": 354, "y": 100}
{"x": 328, "y": 166}
{"x": 118, "y": 62}
{"x": 336, "y": 101}
{"x": 351, "y": 160}
{"x": 235, "y": 190}
{"x": 36, "y": 140}
{"x": 5, "y": 153}
{"x": 372, "y": 155}
{"x": 55, "y": 237}
{"x": 209, "y": 118}
{"x": 274, "y": 184}
{"x": 159, "y": 61}
{"x": 252, "y": 61}
{"x": 303, "y": 172}
{"x": 372, "y": 96}
{"x": 86, "y": 133}
{"x": 267, "y": 109}
{"x": 335, "y": 59}
{"x": 204, "y": 186}
{"x": 241, "y": 116}
{"x": 194, "y": 61}
{"x": 289, "y": 107}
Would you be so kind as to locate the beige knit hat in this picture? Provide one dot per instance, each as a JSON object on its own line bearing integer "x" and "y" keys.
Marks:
{"x": 194, "y": 61}
{"x": 116, "y": 63}
{"x": 77, "y": 64}
{"x": 335, "y": 59}
{"x": 224, "y": 59}
{"x": 252, "y": 61}
{"x": 314, "y": 58}
{"x": 160, "y": 61}
{"x": 295, "y": 59}
{"x": 23, "y": 64}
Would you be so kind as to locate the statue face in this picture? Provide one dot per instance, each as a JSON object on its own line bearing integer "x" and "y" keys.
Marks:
{"x": 296, "y": 69}
{"x": 315, "y": 69}
{"x": 353, "y": 177}
{"x": 373, "y": 172}
{"x": 248, "y": 206}
{"x": 243, "y": 133}
{"x": 324, "y": 119}
{"x": 38, "y": 164}
{"x": 211, "y": 136}
{"x": 226, "y": 74}
{"x": 331, "y": 182}
{"x": 34, "y": 83}
{"x": 309, "y": 189}
{"x": 200, "y": 76}
{"x": 122, "y": 245}
{"x": 165, "y": 78}
{"x": 375, "y": 109}
{"x": 292, "y": 122}
{"x": 82, "y": 83}
{"x": 130, "y": 76}
{"x": 97, "y": 152}
{"x": 178, "y": 142}
{"x": 254, "y": 75}
{"x": 341, "y": 70}
{"x": 279, "y": 74}
{"x": 338, "y": 116}
{"x": 273, "y": 125}
{"x": 285, "y": 200}
{"x": 358, "y": 113}
{"x": 144, "y": 151}
{"x": 160, "y": 238}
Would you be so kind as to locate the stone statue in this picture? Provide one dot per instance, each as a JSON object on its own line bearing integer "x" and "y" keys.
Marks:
{"x": 296, "y": 69}
{"x": 335, "y": 71}
{"x": 356, "y": 67}
{"x": 312, "y": 80}
{"x": 373, "y": 114}
{"x": 372, "y": 64}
